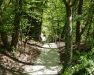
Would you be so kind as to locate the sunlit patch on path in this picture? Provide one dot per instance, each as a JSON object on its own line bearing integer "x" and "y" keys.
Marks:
{"x": 48, "y": 60}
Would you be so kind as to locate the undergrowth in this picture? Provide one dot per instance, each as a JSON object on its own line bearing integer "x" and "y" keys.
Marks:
{"x": 83, "y": 64}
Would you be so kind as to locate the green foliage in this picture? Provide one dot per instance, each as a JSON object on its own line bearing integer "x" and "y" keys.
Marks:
{"x": 83, "y": 64}
{"x": 7, "y": 16}
{"x": 52, "y": 15}
{"x": 53, "y": 22}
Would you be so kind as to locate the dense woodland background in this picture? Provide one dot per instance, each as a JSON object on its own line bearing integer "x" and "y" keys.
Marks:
{"x": 68, "y": 21}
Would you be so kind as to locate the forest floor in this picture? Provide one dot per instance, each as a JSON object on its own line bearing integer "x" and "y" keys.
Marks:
{"x": 45, "y": 60}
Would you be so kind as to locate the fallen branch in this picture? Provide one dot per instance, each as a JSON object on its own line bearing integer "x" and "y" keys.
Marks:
{"x": 44, "y": 47}
{"x": 26, "y": 63}
{"x": 15, "y": 59}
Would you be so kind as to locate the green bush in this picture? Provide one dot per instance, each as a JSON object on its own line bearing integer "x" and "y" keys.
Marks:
{"x": 84, "y": 64}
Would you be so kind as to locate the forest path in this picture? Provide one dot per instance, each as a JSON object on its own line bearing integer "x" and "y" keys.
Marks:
{"x": 48, "y": 59}
{"x": 45, "y": 57}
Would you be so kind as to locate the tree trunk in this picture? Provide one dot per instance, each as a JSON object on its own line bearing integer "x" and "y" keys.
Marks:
{"x": 78, "y": 24}
{"x": 4, "y": 38}
{"x": 17, "y": 19}
{"x": 3, "y": 34}
{"x": 15, "y": 34}
{"x": 68, "y": 35}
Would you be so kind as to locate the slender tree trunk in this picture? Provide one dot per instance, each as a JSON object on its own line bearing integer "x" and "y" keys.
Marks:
{"x": 3, "y": 33}
{"x": 4, "y": 38}
{"x": 17, "y": 19}
{"x": 15, "y": 34}
{"x": 78, "y": 24}
{"x": 68, "y": 35}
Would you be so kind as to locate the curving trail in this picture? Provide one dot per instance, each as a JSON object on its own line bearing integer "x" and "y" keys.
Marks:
{"x": 48, "y": 59}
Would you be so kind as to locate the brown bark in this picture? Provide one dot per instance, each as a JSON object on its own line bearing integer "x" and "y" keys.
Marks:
{"x": 15, "y": 34}
{"x": 4, "y": 38}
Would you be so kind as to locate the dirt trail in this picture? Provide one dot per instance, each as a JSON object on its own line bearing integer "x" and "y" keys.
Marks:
{"x": 46, "y": 60}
